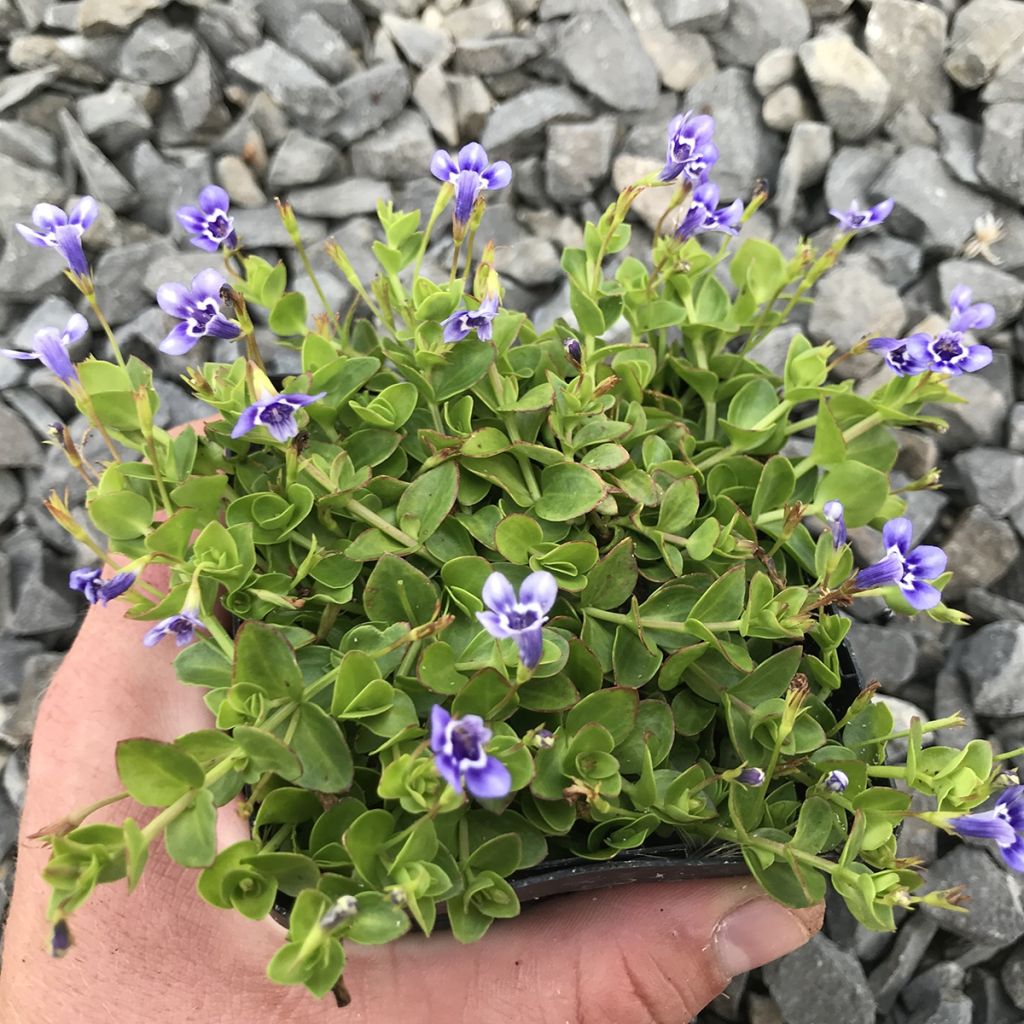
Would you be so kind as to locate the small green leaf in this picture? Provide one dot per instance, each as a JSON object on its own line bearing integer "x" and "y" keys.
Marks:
{"x": 191, "y": 838}
{"x": 156, "y": 774}
{"x": 288, "y": 315}
{"x": 321, "y": 747}
{"x": 568, "y": 490}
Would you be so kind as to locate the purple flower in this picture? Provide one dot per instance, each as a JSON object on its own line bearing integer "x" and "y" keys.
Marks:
{"x": 544, "y": 739}
{"x": 1004, "y": 823}
{"x": 573, "y": 352}
{"x": 276, "y": 413}
{"x": 949, "y": 351}
{"x": 855, "y": 219}
{"x": 751, "y": 777}
{"x": 905, "y": 356}
{"x": 690, "y": 152}
{"x": 835, "y": 516}
{"x": 209, "y": 223}
{"x": 50, "y": 219}
{"x": 704, "y": 215}
{"x": 462, "y": 321}
{"x": 520, "y": 617}
{"x": 909, "y": 570}
{"x": 458, "y": 746}
{"x": 836, "y": 781}
{"x": 50, "y": 347}
{"x": 95, "y": 589}
{"x": 182, "y": 627}
{"x": 470, "y": 173}
{"x": 198, "y": 309}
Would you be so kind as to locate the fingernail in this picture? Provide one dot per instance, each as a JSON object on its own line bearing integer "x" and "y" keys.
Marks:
{"x": 754, "y": 934}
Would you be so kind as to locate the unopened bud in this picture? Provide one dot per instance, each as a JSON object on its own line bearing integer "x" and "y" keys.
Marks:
{"x": 288, "y": 219}
{"x": 344, "y": 909}
{"x": 396, "y": 896}
{"x": 751, "y": 777}
{"x": 836, "y": 781}
{"x": 573, "y": 352}
{"x": 60, "y": 939}
{"x": 544, "y": 739}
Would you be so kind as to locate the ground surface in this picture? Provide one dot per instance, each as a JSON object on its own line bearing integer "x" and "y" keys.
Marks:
{"x": 337, "y": 103}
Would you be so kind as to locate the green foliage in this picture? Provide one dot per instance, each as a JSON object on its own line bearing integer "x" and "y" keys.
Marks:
{"x": 695, "y": 632}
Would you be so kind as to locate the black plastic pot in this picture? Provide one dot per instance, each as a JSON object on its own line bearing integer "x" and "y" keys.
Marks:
{"x": 656, "y": 862}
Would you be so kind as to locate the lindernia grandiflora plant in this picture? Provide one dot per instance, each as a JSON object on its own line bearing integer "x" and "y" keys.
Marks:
{"x": 465, "y": 595}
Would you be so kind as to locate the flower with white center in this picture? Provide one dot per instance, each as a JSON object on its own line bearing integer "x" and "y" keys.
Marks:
{"x": 910, "y": 570}
{"x": 458, "y": 747}
{"x": 520, "y": 617}
{"x": 198, "y": 309}
{"x": 276, "y": 413}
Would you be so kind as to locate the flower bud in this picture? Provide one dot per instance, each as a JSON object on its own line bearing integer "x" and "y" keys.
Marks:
{"x": 60, "y": 939}
{"x": 751, "y": 777}
{"x": 344, "y": 909}
{"x": 836, "y": 781}
{"x": 544, "y": 739}
{"x": 573, "y": 352}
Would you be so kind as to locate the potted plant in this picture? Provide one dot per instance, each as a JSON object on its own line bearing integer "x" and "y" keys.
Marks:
{"x": 478, "y": 608}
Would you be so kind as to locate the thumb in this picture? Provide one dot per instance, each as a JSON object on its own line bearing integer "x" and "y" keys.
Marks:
{"x": 656, "y": 953}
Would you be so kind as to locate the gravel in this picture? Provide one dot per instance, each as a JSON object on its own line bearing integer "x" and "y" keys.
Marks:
{"x": 337, "y": 105}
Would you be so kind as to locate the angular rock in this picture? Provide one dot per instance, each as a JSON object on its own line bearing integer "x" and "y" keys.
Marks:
{"x": 369, "y": 99}
{"x": 959, "y": 141}
{"x": 321, "y": 46}
{"x": 15, "y": 88}
{"x": 840, "y": 994}
{"x": 480, "y": 19}
{"x": 98, "y": 16}
{"x": 530, "y": 261}
{"x": 27, "y": 144}
{"x": 885, "y": 653}
{"x": 746, "y": 151}
{"x": 992, "y": 663}
{"x": 116, "y": 118}
{"x": 18, "y": 447}
{"x": 197, "y": 100}
{"x": 341, "y": 199}
{"x": 695, "y": 15}
{"x": 853, "y": 171}
{"x": 238, "y": 179}
{"x": 993, "y": 478}
{"x": 301, "y": 159}
{"x": 473, "y": 104}
{"x": 22, "y": 187}
{"x": 229, "y": 29}
{"x": 906, "y": 40}
{"x": 854, "y": 303}
{"x": 980, "y": 549}
{"x": 888, "y": 978}
{"x": 157, "y": 52}
{"x": 1015, "y": 427}
{"x": 931, "y": 206}
{"x": 525, "y": 116}
{"x": 101, "y": 178}
{"x": 421, "y": 44}
{"x": 432, "y": 94}
{"x": 1008, "y": 82}
{"x": 1001, "y": 157}
{"x": 850, "y": 89}
{"x": 290, "y": 82}
{"x": 603, "y": 55}
{"x": 984, "y": 32}
{"x": 807, "y": 157}
{"x": 785, "y": 108}
{"x": 897, "y": 260}
{"x": 579, "y": 158}
{"x": 997, "y": 916}
{"x": 757, "y": 26}
{"x": 399, "y": 151}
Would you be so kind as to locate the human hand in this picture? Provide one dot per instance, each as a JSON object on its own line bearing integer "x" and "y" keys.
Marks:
{"x": 645, "y": 953}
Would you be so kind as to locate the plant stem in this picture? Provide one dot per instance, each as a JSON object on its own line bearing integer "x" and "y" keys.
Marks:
{"x": 185, "y": 801}
{"x": 663, "y": 624}
{"x": 308, "y": 267}
{"x": 370, "y": 517}
{"x": 107, "y": 329}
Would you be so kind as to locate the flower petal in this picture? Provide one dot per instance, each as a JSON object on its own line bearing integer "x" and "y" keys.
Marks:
{"x": 978, "y": 357}
{"x": 472, "y": 157}
{"x": 175, "y": 299}
{"x": 53, "y": 355}
{"x": 204, "y": 243}
{"x": 497, "y": 175}
{"x": 490, "y": 781}
{"x": 213, "y": 199}
{"x": 48, "y": 217}
{"x": 32, "y": 237}
{"x": 448, "y": 770}
{"x": 283, "y": 428}
{"x": 179, "y": 341}
{"x": 927, "y": 561}
{"x": 530, "y": 643}
{"x": 455, "y": 327}
{"x": 494, "y": 624}
{"x": 15, "y": 353}
{"x": 158, "y": 632}
{"x": 1013, "y": 854}
{"x": 439, "y": 719}
{"x": 443, "y": 167}
{"x": 897, "y": 533}
{"x": 76, "y": 328}
{"x": 246, "y": 421}
{"x": 920, "y": 595}
{"x": 84, "y": 212}
{"x": 539, "y": 588}
{"x": 880, "y": 574}
{"x": 498, "y": 594}
{"x": 984, "y": 825}
{"x": 207, "y": 285}
{"x": 219, "y": 326}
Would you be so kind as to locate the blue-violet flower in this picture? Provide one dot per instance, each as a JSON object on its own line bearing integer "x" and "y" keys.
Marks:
{"x": 470, "y": 173}
{"x": 856, "y": 219}
{"x": 835, "y": 516}
{"x": 950, "y": 351}
{"x": 182, "y": 627}
{"x": 690, "y": 152}
{"x": 50, "y": 347}
{"x": 1004, "y": 823}
{"x": 458, "y": 746}
{"x": 276, "y": 413}
{"x": 462, "y": 321}
{"x": 198, "y": 309}
{"x": 90, "y": 583}
{"x": 62, "y": 231}
{"x": 751, "y": 776}
{"x": 704, "y": 215}
{"x": 209, "y": 223}
{"x": 836, "y": 781}
{"x": 519, "y": 617}
{"x": 904, "y": 356}
{"x": 908, "y": 569}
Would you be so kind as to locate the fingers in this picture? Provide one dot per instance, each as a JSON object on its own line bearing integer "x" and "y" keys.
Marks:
{"x": 645, "y": 953}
